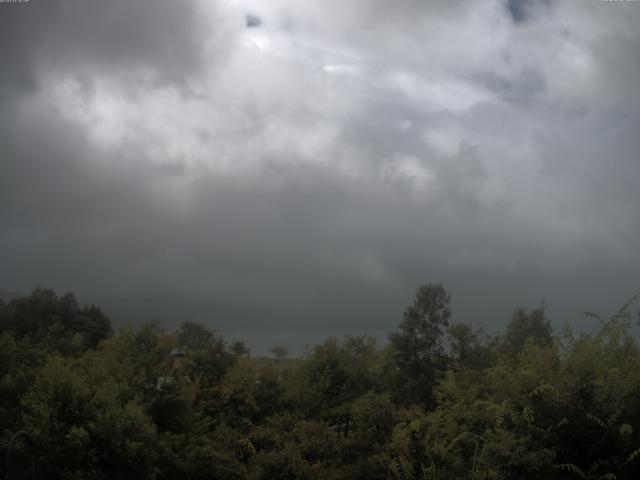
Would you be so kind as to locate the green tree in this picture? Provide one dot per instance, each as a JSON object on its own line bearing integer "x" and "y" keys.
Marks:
{"x": 418, "y": 345}
{"x": 335, "y": 373}
{"x": 291, "y": 448}
{"x": 58, "y": 323}
{"x": 279, "y": 352}
{"x": 468, "y": 349}
{"x": 528, "y": 325}
{"x": 252, "y": 392}
{"x": 240, "y": 349}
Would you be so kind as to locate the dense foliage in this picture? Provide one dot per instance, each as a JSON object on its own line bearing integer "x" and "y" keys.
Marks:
{"x": 440, "y": 401}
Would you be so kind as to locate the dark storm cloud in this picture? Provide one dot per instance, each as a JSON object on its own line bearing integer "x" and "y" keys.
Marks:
{"x": 253, "y": 21}
{"x": 161, "y": 35}
{"x": 518, "y": 9}
{"x": 522, "y": 11}
{"x": 312, "y": 182}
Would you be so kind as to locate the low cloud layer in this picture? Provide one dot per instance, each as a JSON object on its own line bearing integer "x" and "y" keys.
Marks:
{"x": 304, "y": 165}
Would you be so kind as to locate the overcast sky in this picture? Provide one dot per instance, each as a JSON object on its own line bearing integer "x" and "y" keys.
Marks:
{"x": 305, "y": 165}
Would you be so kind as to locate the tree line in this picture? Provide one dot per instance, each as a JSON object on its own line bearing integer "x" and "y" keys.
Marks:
{"x": 441, "y": 400}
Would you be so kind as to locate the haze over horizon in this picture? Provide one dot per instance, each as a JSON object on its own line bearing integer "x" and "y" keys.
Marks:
{"x": 303, "y": 166}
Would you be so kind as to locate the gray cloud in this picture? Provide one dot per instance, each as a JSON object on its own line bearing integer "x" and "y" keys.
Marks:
{"x": 307, "y": 174}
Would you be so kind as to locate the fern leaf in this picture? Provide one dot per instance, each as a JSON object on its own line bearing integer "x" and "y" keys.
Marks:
{"x": 633, "y": 456}
{"x": 570, "y": 467}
